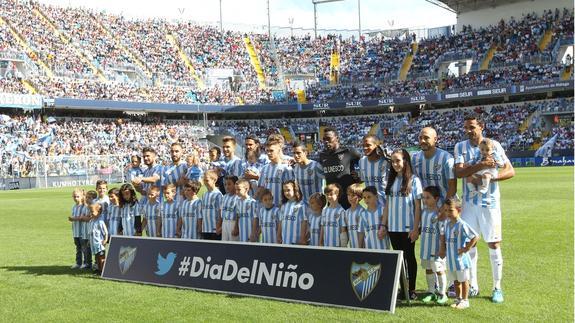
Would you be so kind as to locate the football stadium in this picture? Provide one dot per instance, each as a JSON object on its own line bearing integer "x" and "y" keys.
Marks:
{"x": 286, "y": 160}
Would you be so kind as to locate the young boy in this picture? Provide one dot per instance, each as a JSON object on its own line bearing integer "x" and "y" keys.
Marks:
{"x": 432, "y": 224}
{"x": 103, "y": 199}
{"x": 353, "y": 216}
{"x": 228, "y": 220}
{"x": 91, "y": 196}
{"x": 114, "y": 216}
{"x": 308, "y": 173}
{"x": 316, "y": 203}
{"x": 134, "y": 170}
{"x": 211, "y": 207}
{"x": 266, "y": 218}
{"x": 333, "y": 225}
{"x": 245, "y": 210}
{"x": 456, "y": 242}
{"x": 190, "y": 211}
{"x": 151, "y": 213}
{"x": 274, "y": 174}
{"x": 169, "y": 212}
{"x": 98, "y": 236}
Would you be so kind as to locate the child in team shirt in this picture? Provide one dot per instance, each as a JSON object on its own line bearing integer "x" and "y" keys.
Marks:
{"x": 354, "y": 216}
{"x": 316, "y": 203}
{"x": 266, "y": 219}
{"x": 332, "y": 222}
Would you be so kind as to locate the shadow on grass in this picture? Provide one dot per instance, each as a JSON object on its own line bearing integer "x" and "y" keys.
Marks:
{"x": 50, "y": 271}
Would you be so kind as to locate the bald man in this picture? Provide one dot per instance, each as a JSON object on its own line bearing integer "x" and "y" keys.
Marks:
{"x": 434, "y": 166}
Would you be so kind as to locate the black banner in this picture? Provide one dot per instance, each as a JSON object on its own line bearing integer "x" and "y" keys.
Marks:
{"x": 355, "y": 278}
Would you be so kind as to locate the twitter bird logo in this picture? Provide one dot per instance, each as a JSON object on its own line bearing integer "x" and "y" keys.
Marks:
{"x": 165, "y": 264}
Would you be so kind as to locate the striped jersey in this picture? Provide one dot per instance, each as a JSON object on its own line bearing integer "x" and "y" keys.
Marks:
{"x": 104, "y": 203}
{"x": 133, "y": 173}
{"x": 457, "y": 235}
{"x": 194, "y": 173}
{"x": 268, "y": 221}
{"x": 151, "y": 212}
{"x": 374, "y": 173}
{"x": 169, "y": 217}
{"x": 401, "y": 209}
{"x": 310, "y": 179}
{"x": 245, "y": 210}
{"x": 353, "y": 219}
{"x": 435, "y": 171}
{"x": 190, "y": 211}
{"x": 228, "y": 206}
{"x": 431, "y": 229}
{"x": 331, "y": 224}
{"x": 211, "y": 208}
{"x": 291, "y": 216}
{"x": 314, "y": 227}
{"x": 154, "y": 170}
{"x": 85, "y": 224}
{"x": 370, "y": 224}
{"x": 466, "y": 153}
{"x": 234, "y": 167}
{"x": 272, "y": 176}
{"x": 128, "y": 213}
{"x": 77, "y": 211}
{"x": 98, "y": 233}
{"x": 171, "y": 174}
{"x": 115, "y": 220}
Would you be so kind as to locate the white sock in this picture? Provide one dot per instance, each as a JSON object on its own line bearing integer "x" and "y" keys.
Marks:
{"x": 474, "y": 254}
{"x": 430, "y": 282}
{"x": 442, "y": 283}
{"x": 496, "y": 266}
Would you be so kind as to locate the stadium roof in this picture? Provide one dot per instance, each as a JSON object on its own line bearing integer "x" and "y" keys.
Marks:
{"x": 462, "y": 6}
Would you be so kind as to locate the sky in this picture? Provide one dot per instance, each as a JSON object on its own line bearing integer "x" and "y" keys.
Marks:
{"x": 375, "y": 14}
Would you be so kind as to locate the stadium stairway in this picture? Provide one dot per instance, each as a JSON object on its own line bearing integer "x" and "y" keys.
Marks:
{"x": 256, "y": 64}
{"x": 287, "y": 134}
{"x": 176, "y": 44}
{"x": 321, "y": 132}
{"x": 29, "y": 86}
{"x": 68, "y": 41}
{"x": 527, "y": 122}
{"x": 488, "y": 57}
{"x": 566, "y": 74}
{"x": 334, "y": 68}
{"x": 24, "y": 44}
{"x": 406, "y": 65}
{"x": 546, "y": 39}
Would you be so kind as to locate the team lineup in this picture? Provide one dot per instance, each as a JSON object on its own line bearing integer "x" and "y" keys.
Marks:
{"x": 272, "y": 198}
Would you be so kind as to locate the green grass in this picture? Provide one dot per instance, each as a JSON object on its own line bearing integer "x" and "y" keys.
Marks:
{"x": 36, "y": 284}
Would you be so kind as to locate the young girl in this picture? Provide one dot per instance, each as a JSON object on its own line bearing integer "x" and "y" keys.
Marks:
{"x": 190, "y": 211}
{"x": 98, "y": 235}
{"x": 332, "y": 222}
{"x": 293, "y": 223}
{"x": 431, "y": 226}
{"x": 354, "y": 216}
{"x": 317, "y": 202}
{"x": 371, "y": 220}
{"x": 129, "y": 210}
{"x": 456, "y": 242}
{"x": 150, "y": 209}
{"x": 400, "y": 220}
{"x": 194, "y": 172}
{"x": 78, "y": 211}
{"x": 485, "y": 176}
{"x": 114, "y": 217}
{"x": 266, "y": 218}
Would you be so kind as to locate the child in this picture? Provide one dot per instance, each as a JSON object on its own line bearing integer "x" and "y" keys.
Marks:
{"x": 293, "y": 223}
{"x": 244, "y": 210}
{"x": 217, "y": 164}
{"x": 402, "y": 211}
{"x": 252, "y": 165}
{"x": 194, "y": 172}
{"x": 169, "y": 212}
{"x": 98, "y": 235}
{"x": 431, "y": 227}
{"x": 317, "y": 202}
{"x": 276, "y": 173}
{"x": 228, "y": 220}
{"x": 371, "y": 220}
{"x": 211, "y": 207}
{"x": 150, "y": 209}
{"x": 129, "y": 210}
{"x": 91, "y": 197}
{"x": 78, "y": 211}
{"x": 115, "y": 219}
{"x": 266, "y": 218}
{"x": 354, "y": 216}
{"x": 190, "y": 211}
{"x": 485, "y": 175}
{"x": 308, "y": 173}
{"x": 102, "y": 199}
{"x": 457, "y": 240}
{"x": 332, "y": 222}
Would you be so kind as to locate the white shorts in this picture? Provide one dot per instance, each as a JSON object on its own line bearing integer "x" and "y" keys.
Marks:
{"x": 460, "y": 275}
{"x": 227, "y": 228}
{"x": 437, "y": 265}
{"x": 484, "y": 221}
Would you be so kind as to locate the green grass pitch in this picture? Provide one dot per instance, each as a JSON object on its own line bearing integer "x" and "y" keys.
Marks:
{"x": 36, "y": 284}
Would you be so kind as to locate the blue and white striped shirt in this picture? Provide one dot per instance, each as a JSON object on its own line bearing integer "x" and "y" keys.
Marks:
{"x": 353, "y": 220}
{"x": 331, "y": 224}
{"x": 255, "y": 168}
{"x": 435, "y": 171}
{"x": 152, "y": 171}
{"x": 77, "y": 211}
{"x": 134, "y": 172}
{"x": 314, "y": 227}
{"x": 104, "y": 203}
{"x": 457, "y": 235}
{"x": 370, "y": 224}
{"x": 85, "y": 224}
{"x": 234, "y": 167}
{"x": 211, "y": 208}
{"x": 292, "y": 215}
{"x": 129, "y": 213}
{"x": 273, "y": 176}
{"x": 431, "y": 229}
{"x": 401, "y": 209}
{"x": 194, "y": 173}
{"x": 171, "y": 175}
{"x": 190, "y": 212}
{"x": 228, "y": 205}
{"x": 98, "y": 234}
{"x": 465, "y": 153}
{"x": 374, "y": 174}
{"x": 169, "y": 216}
{"x": 151, "y": 212}
{"x": 268, "y": 221}
{"x": 310, "y": 178}
{"x": 245, "y": 210}
{"x": 115, "y": 220}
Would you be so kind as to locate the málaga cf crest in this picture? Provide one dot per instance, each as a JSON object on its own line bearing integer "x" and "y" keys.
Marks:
{"x": 364, "y": 277}
{"x": 126, "y": 258}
